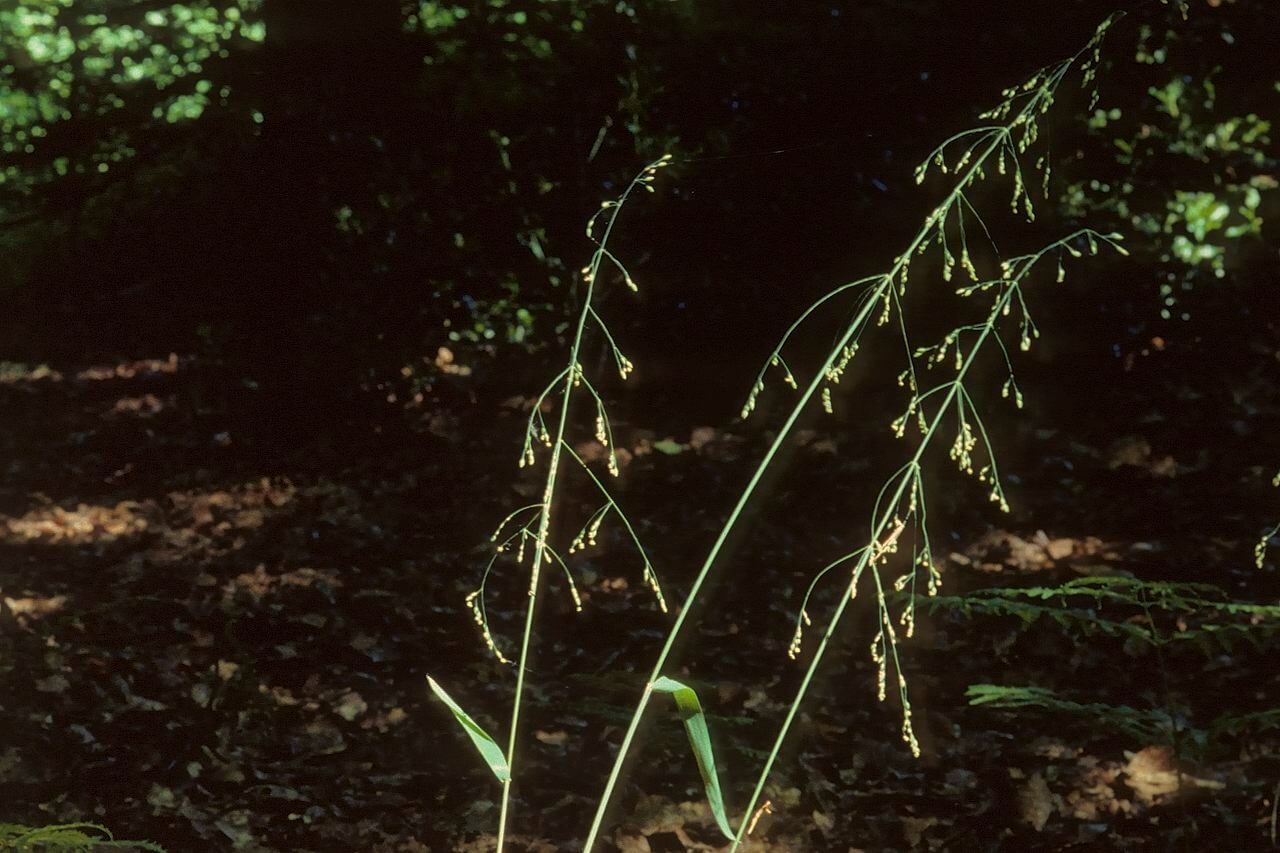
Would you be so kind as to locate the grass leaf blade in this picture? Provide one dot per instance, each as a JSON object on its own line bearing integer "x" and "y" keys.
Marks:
{"x": 695, "y": 725}
{"x": 487, "y": 746}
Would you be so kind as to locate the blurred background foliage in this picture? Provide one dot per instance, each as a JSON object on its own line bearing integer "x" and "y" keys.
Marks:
{"x": 321, "y": 193}
{"x": 90, "y": 94}
{"x": 1193, "y": 162}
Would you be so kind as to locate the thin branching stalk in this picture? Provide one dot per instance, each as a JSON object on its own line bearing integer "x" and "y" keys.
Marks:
{"x": 905, "y": 505}
{"x": 537, "y": 527}
{"x": 683, "y": 613}
{"x": 968, "y": 153}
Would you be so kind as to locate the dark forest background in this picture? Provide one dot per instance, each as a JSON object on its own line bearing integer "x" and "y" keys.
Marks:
{"x": 322, "y": 192}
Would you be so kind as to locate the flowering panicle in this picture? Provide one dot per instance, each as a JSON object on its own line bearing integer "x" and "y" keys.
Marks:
{"x": 534, "y": 529}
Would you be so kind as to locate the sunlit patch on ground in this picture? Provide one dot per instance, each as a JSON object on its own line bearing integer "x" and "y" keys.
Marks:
{"x": 14, "y": 373}
{"x": 146, "y": 406}
{"x": 182, "y": 519}
{"x": 243, "y": 506}
{"x": 1000, "y": 551}
{"x": 131, "y": 369}
{"x": 260, "y": 582}
{"x": 17, "y": 373}
{"x": 84, "y": 525}
{"x": 30, "y": 608}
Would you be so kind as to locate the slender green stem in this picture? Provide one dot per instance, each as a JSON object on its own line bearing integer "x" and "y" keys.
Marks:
{"x": 701, "y": 578}
{"x": 540, "y": 547}
{"x": 571, "y": 375}
{"x": 886, "y": 516}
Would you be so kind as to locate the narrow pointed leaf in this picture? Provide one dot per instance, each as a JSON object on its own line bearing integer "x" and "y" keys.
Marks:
{"x": 695, "y": 725}
{"x": 488, "y": 747}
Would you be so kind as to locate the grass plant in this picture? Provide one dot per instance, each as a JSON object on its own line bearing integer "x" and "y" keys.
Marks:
{"x": 894, "y": 559}
{"x": 527, "y": 531}
{"x": 1000, "y": 148}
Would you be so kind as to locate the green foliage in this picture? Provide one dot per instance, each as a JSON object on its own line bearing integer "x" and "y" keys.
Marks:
{"x": 484, "y": 743}
{"x": 695, "y": 724}
{"x": 1144, "y": 615}
{"x": 84, "y": 81}
{"x": 525, "y": 33}
{"x": 505, "y": 69}
{"x": 1193, "y": 128}
{"x": 1193, "y": 165}
{"x": 507, "y": 316}
{"x": 1144, "y": 726}
{"x": 1201, "y": 615}
{"x": 1234, "y": 725}
{"x": 66, "y": 838}
{"x": 96, "y": 100}
{"x": 1149, "y": 726}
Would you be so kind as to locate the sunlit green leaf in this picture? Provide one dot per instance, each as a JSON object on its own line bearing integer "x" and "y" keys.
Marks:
{"x": 488, "y": 747}
{"x": 695, "y": 725}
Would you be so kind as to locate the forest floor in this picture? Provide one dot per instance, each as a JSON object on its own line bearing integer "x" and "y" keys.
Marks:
{"x": 218, "y": 642}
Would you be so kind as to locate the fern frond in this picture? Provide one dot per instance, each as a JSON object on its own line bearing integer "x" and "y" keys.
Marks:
{"x": 66, "y": 838}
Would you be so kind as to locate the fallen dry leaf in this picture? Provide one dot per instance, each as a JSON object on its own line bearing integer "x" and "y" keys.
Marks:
{"x": 556, "y": 738}
{"x": 1035, "y": 802}
{"x": 53, "y": 684}
{"x": 1155, "y": 776}
{"x": 350, "y": 706}
{"x": 914, "y": 828}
